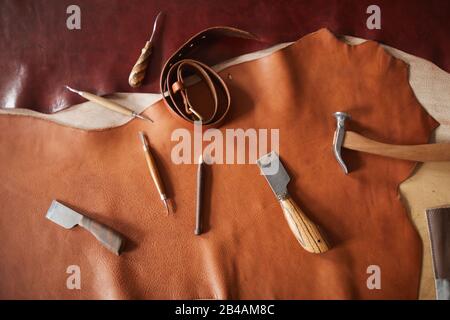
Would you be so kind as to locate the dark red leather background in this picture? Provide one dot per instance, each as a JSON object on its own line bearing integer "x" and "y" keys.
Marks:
{"x": 39, "y": 54}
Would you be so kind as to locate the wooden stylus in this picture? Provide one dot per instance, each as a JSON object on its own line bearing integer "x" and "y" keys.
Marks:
{"x": 109, "y": 104}
{"x": 151, "y": 164}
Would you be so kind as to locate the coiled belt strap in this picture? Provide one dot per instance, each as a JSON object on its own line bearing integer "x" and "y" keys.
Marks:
{"x": 172, "y": 83}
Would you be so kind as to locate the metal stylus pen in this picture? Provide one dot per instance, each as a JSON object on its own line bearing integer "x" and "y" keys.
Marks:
{"x": 153, "y": 170}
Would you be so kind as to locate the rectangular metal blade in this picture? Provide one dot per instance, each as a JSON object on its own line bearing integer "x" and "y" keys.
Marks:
{"x": 272, "y": 168}
{"x": 62, "y": 215}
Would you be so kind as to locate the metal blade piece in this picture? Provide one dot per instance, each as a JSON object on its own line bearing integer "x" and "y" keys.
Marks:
{"x": 272, "y": 168}
{"x": 62, "y": 215}
{"x": 154, "y": 26}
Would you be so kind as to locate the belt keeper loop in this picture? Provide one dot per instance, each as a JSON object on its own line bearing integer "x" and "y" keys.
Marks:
{"x": 177, "y": 86}
{"x": 196, "y": 114}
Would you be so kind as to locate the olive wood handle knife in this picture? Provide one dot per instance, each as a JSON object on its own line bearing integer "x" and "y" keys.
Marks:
{"x": 305, "y": 231}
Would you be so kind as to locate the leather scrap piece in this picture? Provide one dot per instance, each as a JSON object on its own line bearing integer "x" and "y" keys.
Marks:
{"x": 247, "y": 250}
{"x": 40, "y": 55}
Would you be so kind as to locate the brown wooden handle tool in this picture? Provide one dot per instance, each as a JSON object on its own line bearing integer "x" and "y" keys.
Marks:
{"x": 151, "y": 164}
{"x": 107, "y": 236}
{"x": 108, "y": 104}
{"x": 139, "y": 69}
{"x": 307, "y": 233}
{"x": 137, "y": 74}
{"x": 420, "y": 152}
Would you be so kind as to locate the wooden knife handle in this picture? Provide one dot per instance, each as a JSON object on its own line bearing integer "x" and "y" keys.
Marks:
{"x": 140, "y": 67}
{"x": 108, "y": 237}
{"x": 307, "y": 233}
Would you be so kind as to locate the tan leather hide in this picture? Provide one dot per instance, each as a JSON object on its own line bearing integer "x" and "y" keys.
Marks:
{"x": 248, "y": 250}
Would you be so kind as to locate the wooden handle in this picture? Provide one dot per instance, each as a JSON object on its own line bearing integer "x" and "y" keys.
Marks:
{"x": 307, "y": 233}
{"x": 108, "y": 237}
{"x": 107, "y": 103}
{"x": 154, "y": 173}
{"x": 137, "y": 74}
{"x": 419, "y": 152}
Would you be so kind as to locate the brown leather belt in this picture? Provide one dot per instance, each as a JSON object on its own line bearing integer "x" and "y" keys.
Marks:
{"x": 179, "y": 66}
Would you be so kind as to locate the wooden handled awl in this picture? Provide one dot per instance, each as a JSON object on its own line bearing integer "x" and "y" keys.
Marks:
{"x": 109, "y": 104}
{"x": 137, "y": 74}
{"x": 307, "y": 233}
{"x": 68, "y": 218}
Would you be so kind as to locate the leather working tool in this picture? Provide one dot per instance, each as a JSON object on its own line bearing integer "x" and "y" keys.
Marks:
{"x": 354, "y": 141}
{"x": 198, "y": 207}
{"x": 68, "y": 218}
{"x": 179, "y": 65}
{"x": 307, "y": 233}
{"x": 109, "y": 104}
{"x": 137, "y": 74}
{"x": 151, "y": 164}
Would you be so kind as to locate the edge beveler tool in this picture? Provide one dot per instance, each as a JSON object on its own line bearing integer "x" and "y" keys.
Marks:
{"x": 354, "y": 141}
{"x": 307, "y": 233}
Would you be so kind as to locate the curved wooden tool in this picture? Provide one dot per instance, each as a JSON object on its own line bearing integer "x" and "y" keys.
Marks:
{"x": 355, "y": 141}
{"x": 305, "y": 231}
{"x": 137, "y": 74}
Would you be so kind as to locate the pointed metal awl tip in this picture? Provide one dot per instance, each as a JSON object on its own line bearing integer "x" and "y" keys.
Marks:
{"x": 166, "y": 205}
{"x": 142, "y": 117}
{"x": 155, "y": 24}
{"x": 71, "y": 89}
{"x": 143, "y": 139}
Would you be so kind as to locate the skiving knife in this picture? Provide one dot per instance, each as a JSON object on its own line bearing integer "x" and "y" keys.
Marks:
{"x": 68, "y": 218}
{"x": 307, "y": 233}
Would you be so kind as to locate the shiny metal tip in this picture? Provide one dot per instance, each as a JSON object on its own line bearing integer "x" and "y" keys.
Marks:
{"x": 143, "y": 139}
{"x": 71, "y": 89}
{"x": 154, "y": 26}
{"x": 166, "y": 205}
{"x": 142, "y": 117}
